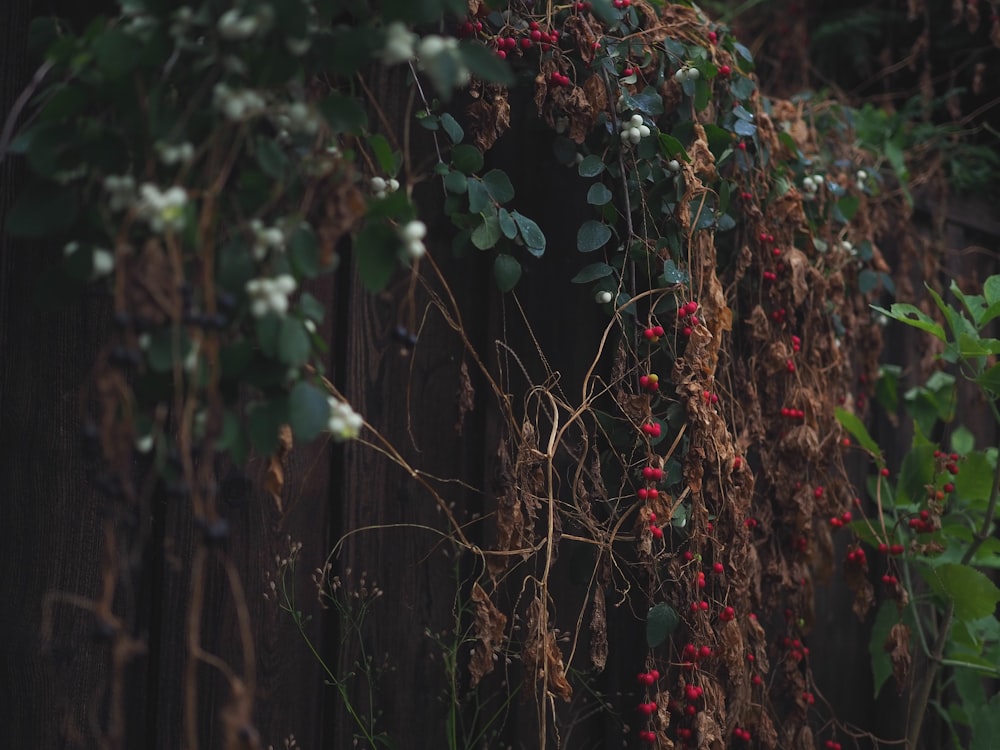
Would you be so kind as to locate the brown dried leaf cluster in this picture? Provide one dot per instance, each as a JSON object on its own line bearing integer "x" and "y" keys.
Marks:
{"x": 489, "y": 626}
{"x": 542, "y": 659}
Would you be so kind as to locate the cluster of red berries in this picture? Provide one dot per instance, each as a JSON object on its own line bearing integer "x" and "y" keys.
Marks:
{"x": 652, "y": 429}
{"x": 796, "y": 650}
{"x": 923, "y": 524}
{"x": 653, "y": 334}
{"x": 950, "y": 461}
{"x": 710, "y": 397}
{"x": 857, "y": 557}
{"x": 809, "y": 698}
{"x": 692, "y": 653}
{"x": 650, "y": 382}
{"x": 581, "y": 7}
{"x": 648, "y": 737}
{"x": 646, "y": 709}
{"x": 648, "y": 678}
{"x": 655, "y": 530}
{"x": 728, "y": 614}
{"x": 468, "y": 28}
{"x": 620, "y": 4}
{"x": 891, "y": 549}
{"x": 842, "y": 520}
{"x": 686, "y": 317}
{"x": 779, "y": 315}
{"x": 831, "y": 745}
{"x": 792, "y": 413}
{"x": 889, "y": 580}
{"x": 742, "y": 734}
{"x": 558, "y": 79}
{"x": 770, "y": 276}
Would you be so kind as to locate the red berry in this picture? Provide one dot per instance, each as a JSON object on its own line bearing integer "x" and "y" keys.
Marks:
{"x": 501, "y": 54}
{"x": 727, "y": 614}
{"x": 536, "y": 36}
{"x": 896, "y": 549}
{"x": 656, "y": 531}
{"x": 658, "y": 330}
{"x": 949, "y": 487}
{"x": 718, "y": 568}
{"x": 884, "y": 472}
{"x": 725, "y": 70}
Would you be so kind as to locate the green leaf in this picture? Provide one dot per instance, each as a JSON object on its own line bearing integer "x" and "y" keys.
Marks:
{"x": 452, "y": 128}
{"x": 466, "y": 158}
{"x": 912, "y": 316}
{"x": 593, "y": 235}
{"x": 962, "y": 440}
{"x": 848, "y": 206}
{"x": 344, "y": 114}
{"x": 303, "y": 252}
{"x": 485, "y": 64}
{"x": 974, "y": 481}
{"x": 498, "y": 184}
{"x": 268, "y": 329}
{"x": 857, "y": 429}
{"x": 672, "y": 274}
{"x": 507, "y": 225}
{"x": 591, "y": 166}
{"x": 593, "y": 272}
{"x": 271, "y": 158}
{"x": 116, "y": 53}
{"x": 487, "y": 234}
{"x": 661, "y": 621}
{"x": 308, "y": 410}
{"x": 702, "y": 93}
{"x": 984, "y": 721}
{"x": 376, "y": 249}
{"x": 990, "y": 380}
{"x": 41, "y": 210}
{"x": 479, "y": 196}
{"x": 867, "y": 280}
{"x": 598, "y": 195}
{"x": 311, "y": 307}
{"x": 265, "y": 421}
{"x": 974, "y": 594}
{"x": 456, "y": 182}
{"x": 506, "y": 271}
{"x": 294, "y": 345}
{"x": 531, "y": 233}
{"x": 383, "y": 153}
{"x": 881, "y": 663}
{"x": 915, "y": 474}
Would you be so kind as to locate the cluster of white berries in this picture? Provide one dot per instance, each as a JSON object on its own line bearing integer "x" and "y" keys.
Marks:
{"x": 400, "y": 44}
{"x": 270, "y": 295}
{"x": 382, "y": 187}
{"x": 234, "y": 26}
{"x": 413, "y": 234}
{"x": 433, "y": 46}
{"x": 121, "y": 189}
{"x": 297, "y": 117}
{"x": 163, "y": 210}
{"x": 344, "y": 423}
{"x": 265, "y": 239}
{"x": 102, "y": 261}
{"x": 603, "y": 298}
{"x": 860, "y": 179}
{"x": 170, "y": 154}
{"x": 687, "y": 74}
{"x": 238, "y": 105}
{"x": 634, "y": 130}
{"x": 812, "y": 183}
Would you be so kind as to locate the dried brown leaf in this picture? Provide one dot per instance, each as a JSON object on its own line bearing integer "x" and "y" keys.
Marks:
{"x": 274, "y": 479}
{"x": 489, "y": 116}
{"x": 466, "y": 396}
{"x": 489, "y": 626}
{"x": 897, "y": 645}
{"x": 599, "y": 631}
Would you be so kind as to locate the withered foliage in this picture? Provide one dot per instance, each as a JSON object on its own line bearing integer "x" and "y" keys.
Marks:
{"x": 897, "y": 645}
{"x": 542, "y": 659}
{"x": 274, "y": 477}
{"x": 489, "y": 626}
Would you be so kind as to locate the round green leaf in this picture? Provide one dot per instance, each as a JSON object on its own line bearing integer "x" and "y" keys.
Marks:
{"x": 593, "y": 235}
{"x": 293, "y": 342}
{"x": 591, "y": 166}
{"x": 593, "y": 272}
{"x": 487, "y": 234}
{"x": 466, "y": 158}
{"x": 308, "y": 410}
{"x": 598, "y": 195}
{"x": 507, "y": 271}
{"x": 498, "y": 183}
{"x": 661, "y": 621}
{"x": 531, "y": 233}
